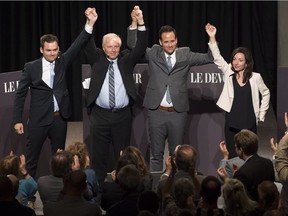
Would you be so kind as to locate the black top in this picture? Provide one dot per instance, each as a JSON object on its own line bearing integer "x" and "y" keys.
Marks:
{"x": 242, "y": 114}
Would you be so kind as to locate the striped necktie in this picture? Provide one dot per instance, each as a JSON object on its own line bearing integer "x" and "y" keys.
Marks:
{"x": 111, "y": 86}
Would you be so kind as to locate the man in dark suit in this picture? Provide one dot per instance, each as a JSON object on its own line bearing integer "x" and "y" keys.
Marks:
{"x": 49, "y": 106}
{"x": 255, "y": 168}
{"x": 111, "y": 94}
{"x": 166, "y": 96}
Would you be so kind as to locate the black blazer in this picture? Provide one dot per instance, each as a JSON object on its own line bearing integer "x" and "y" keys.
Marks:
{"x": 255, "y": 170}
{"x": 41, "y": 104}
{"x": 127, "y": 59}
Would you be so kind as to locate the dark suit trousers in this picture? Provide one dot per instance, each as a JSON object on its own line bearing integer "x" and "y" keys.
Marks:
{"x": 164, "y": 125}
{"x": 36, "y": 137}
{"x": 108, "y": 129}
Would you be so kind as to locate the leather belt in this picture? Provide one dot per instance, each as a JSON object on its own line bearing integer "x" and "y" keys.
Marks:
{"x": 114, "y": 110}
{"x": 168, "y": 109}
{"x": 57, "y": 113}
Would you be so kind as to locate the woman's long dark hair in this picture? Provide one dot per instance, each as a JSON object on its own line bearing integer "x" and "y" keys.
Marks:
{"x": 249, "y": 62}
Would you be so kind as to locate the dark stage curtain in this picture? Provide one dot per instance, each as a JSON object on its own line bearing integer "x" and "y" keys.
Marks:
{"x": 252, "y": 24}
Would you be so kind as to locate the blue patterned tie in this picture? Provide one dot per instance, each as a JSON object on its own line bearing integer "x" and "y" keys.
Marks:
{"x": 111, "y": 86}
{"x": 52, "y": 74}
{"x": 169, "y": 65}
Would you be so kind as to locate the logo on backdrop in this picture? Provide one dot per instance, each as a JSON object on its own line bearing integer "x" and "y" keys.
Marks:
{"x": 10, "y": 86}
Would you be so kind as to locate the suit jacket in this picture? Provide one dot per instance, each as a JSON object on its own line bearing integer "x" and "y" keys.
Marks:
{"x": 281, "y": 165}
{"x": 255, "y": 170}
{"x": 127, "y": 59}
{"x": 41, "y": 104}
{"x": 226, "y": 98}
{"x": 159, "y": 76}
{"x": 72, "y": 205}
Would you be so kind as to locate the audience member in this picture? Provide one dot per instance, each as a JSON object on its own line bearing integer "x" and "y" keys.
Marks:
{"x": 255, "y": 169}
{"x": 210, "y": 191}
{"x": 129, "y": 180}
{"x": 73, "y": 203}
{"x": 182, "y": 190}
{"x": 12, "y": 164}
{"x": 50, "y": 186}
{"x": 185, "y": 159}
{"x": 9, "y": 206}
{"x": 281, "y": 165}
{"x": 80, "y": 149}
{"x": 111, "y": 191}
{"x": 268, "y": 196}
{"x": 236, "y": 200}
{"x": 148, "y": 200}
{"x": 133, "y": 154}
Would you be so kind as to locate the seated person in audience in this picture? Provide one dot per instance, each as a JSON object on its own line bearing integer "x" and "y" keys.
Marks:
{"x": 135, "y": 155}
{"x": 236, "y": 200}
{"x": 111, "y": 191}
{"x": 73, "y": 202}
{"x": 149, "y": 201}
{"x": 268, "y": 196}
{"x": 178, "y": 195}
{"x": 255, "y": 168}
{"x": 185, "y": 159}
{"x": 129, "y": 179}
{"x": 12, "y": 164}
{"x": 210, "y": 191}
{"x": 8, "y": 203}
{"x": 50, "y": 186}
{"x": 232, "y": 164}
{"x": 281, "y": 166}
{"x": 80, "y": 149}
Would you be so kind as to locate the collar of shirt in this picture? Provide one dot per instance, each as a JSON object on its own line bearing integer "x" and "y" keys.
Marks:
{"x": 173, "y": 57}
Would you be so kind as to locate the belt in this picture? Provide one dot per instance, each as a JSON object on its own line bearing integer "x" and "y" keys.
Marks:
{"x": 57, "y": 113}
{"x": 114, "y": 110}
{"x": 168, "y": 109}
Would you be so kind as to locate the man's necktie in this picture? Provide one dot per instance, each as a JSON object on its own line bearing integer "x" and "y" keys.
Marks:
{"x": 169, "y": 65}
{"x": 111, "y": 86}
{"x": 52, "y": 74}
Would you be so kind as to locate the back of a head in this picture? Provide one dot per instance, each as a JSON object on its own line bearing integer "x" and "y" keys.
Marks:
{"x": 185, "y": 157}
{"x": 75, "y": 182}
{"x": 248, "y": 141}
{"x": 148, "y": 200}
{"x": 236, "y": 199}
{"x": 61, "y": 163}
{"x": 6, "y": 189}
{"x": 183, "y": 189}
{"x": 210, "y": 189}
{"x": 133, "y": 154}
{"x": 129, "y": 177}
{"x": 268, "y": 195}
{"x": 10, "y": 165}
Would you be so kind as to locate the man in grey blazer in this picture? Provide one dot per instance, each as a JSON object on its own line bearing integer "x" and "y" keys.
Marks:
{"x": 49, "y": 105}
{"x": 166, "y": 96}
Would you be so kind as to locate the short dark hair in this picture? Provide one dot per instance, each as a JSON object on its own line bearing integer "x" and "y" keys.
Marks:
{"x": 165, "y": 29}
{"x": 61, "y": 163}
{"x": 49, "y": 38}
{"x": 210, "y": 189}
{"x": 247, "y": 141}
{"x": 129, "y": 177}
{"x": 185, "y": 157}
{"x": 183, "y": 188}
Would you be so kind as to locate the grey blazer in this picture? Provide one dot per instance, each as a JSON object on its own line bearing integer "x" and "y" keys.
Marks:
{"x": 159, "y": 76}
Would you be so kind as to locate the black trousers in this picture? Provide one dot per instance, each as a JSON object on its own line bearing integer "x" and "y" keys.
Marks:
{"x": 36, "y": 136}
{"x": 109, "y": 130}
